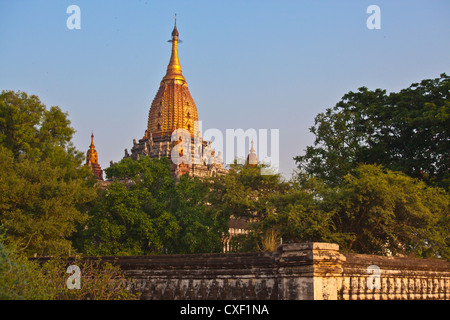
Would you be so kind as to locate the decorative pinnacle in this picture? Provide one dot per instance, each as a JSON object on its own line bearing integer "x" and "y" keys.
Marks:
{"x": 174, "y": 68}
{"x": 92, "y": 139}
{"x": 175, "y": 31}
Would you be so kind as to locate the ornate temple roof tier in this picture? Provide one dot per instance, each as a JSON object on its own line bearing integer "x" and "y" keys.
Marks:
{"x": 172, "y": 108}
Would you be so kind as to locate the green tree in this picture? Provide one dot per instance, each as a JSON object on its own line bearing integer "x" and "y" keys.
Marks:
{"x": 44, "y": 189}
{"x": 20, "y": 279}
{"x": 134, "y": 215}
{"x": 280, "y": 210}
{"x": 144, "y": 211}
{"x": 247, "y": 195}
{"x": 202, "y": 227}
{"x": 28, "y": 128}
{"x": 391, "y": 213}
{"x": 421, "y": 127}
{"x": 373, "y": 211}
{"x": 39, "y": 206}
{"x": 304, "y": 214}
{"x": 406, "y": 131}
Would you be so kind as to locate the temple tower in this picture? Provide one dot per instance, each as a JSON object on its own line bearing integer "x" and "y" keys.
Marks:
{"x": 174, "y": 108}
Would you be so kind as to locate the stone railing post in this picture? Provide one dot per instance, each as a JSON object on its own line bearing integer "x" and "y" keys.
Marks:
{"x": 310, "y": 271}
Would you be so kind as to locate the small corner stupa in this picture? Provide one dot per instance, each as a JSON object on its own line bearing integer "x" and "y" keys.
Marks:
{"x": 252, "y": 158}
{"x": 92, "y": 160}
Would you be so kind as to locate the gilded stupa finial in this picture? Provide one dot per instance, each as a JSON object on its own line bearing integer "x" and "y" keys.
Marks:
{"x": 92, "y": 140}
{"x": 174, "y": 68}
{"x": 175, "y": 31}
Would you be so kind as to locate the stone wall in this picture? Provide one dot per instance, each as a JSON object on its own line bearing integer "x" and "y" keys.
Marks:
{"x": 202, "y": 276}
{"x": 300, "y": 271}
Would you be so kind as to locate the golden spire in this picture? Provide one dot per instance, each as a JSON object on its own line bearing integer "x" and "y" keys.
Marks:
{"x": 92, "y": 159}
{"x": 174, "y": 67}
{"x": 92, "y": 141}
{"x": 91, "y": 156}
{"x": 173, "y": 106}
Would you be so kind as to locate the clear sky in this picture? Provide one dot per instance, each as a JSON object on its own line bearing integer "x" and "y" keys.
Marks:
{"x": 262, "y": 64}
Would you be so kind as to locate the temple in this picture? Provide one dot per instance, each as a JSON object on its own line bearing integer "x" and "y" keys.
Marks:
{"x": 172, "y": 132}
{"x": 173, "y": 113}
{"x": 92, "y": 160}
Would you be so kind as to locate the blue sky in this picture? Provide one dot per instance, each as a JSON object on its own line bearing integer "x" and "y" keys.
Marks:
{"x": 249, "y": 64}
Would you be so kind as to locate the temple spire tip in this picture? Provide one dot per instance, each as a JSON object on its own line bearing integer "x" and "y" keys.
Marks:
{"x": 175, "y": 31}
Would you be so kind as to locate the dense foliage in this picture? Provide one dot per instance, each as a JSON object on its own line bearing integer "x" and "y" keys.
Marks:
{"x": 24, "y": 279}
{"x": 406, "y": 131}
{"x": 44, "y": 189}
{"x": 374, "y": 211}
{"x": 145, "y": 212}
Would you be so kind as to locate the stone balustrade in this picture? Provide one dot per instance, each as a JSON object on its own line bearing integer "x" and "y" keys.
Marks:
{"x": 394, "y": 278}
{"x": 298, "y": 271}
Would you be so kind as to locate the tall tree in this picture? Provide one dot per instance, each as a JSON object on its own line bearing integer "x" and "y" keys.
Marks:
{"x": 373, "y": 210}
{"x": 43, "y": 186}
{"x": 389, "y": 212}
{"x": 28, "y": 128}
{"x": 305, "y": 213}
{"x": 202, "y": 227}
{"x": 406, "y": 131}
